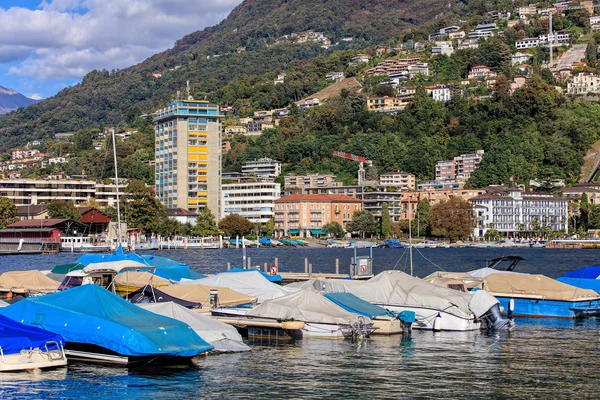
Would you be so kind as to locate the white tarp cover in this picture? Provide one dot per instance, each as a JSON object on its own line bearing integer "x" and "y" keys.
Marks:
{"x": 481, "y": 302}
{"x": 395, "y": 288}
{"x": 3, "y": 304}
{"x": 305, "y": 305}
{"x": 32, "y": 280}
{"x": 223, "y": 337}
{"x": 201, "y": 294}
{"x": 116, "y": 266}
{"x": 484, "y": 272}
{"x": 250, "y": 283}
{"x": 538, "y": 285}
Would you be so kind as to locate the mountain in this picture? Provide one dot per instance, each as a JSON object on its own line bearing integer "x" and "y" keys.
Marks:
{"x": 113, "y": 98}
{"x": 10, "y": 100}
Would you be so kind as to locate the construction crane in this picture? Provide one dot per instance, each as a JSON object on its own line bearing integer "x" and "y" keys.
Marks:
{"x": 562, "y": 9}
{"x": 361, "y": 163}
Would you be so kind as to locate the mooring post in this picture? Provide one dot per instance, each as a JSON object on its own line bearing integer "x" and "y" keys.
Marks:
{"x": 228, "y": 266}
{"x": 306, "y": 265}
{"x": 337, "y": 266}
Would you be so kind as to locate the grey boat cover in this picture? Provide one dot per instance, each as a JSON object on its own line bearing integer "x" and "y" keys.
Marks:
{"x": 395, "y": 288}
{"x": 3, "y": 304}
{"x": 225, "y": 338}
{"x": 306, "y": 305}
{"x": 250, "y": 283}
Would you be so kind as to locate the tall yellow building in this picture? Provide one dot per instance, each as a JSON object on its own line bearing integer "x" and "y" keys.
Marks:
{"x": 188, "y": 155}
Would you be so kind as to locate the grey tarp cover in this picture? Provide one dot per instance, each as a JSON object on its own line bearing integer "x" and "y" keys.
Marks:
{"x": 395, "y": 288}
{"x": 250, "y": 283}
{"x": 223, "y": 337}
{"x": 305, "y": 305}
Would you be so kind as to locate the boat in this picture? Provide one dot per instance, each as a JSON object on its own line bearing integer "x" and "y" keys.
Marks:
{"x": 223, "y": 337}
{"x": 193, "y": 296}
{"x": 321, "y": 318}
{"x": 25, "y": 348}
{"x": 250, "y": 283}
{"x": 271, "y": 278}
{"x": 102, "y": 274}
{"x": 436, "y": 308}
{"x": 534, "y": 295}
{"x": 98, "y": 326}
{"x": 26, "y": 283}
{"x": 384, "y": 321}
{"x": 585, "y": 278}
{"x": 362, "y": 245}
{"x": 84, "y": 244}
{"x": 184, "y": 242}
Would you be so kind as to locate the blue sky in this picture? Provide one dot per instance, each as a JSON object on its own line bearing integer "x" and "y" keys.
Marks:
{"x": 47, "y": 45}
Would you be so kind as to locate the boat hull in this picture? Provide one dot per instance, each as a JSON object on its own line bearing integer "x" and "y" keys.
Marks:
{"x": 425, "y": 318}
{"x": 28, "y": 360}
{"x": 542, "y": 308}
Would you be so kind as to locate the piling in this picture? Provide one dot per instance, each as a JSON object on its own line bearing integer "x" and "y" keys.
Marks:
{"x": 266, "y": 268}
{"x": 310, "y": 269}
{"x": 249, "y": 263}
{"x": 306, "y": 265}
{"x": 337, "y": 266}
{"x": 228, "y": 266}
{"x": 276, "y": 262}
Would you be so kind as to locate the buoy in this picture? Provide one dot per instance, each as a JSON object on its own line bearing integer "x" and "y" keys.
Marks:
{"x": 437, "y": 323}
{"x": 511, "y": 306}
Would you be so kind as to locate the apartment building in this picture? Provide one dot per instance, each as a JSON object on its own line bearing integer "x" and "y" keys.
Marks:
{"x": 311, "y": 180}
{"x": 511, "y": 211}
{"x": 263, "y": 167}
{"x": 188, "y": 155}
{"x": 252, "y": 200}
{"x": 399, "y": 179}
{"x": 460, "y": 168}
{"x": 584, "y": 83}
{"x": 307, "y": 214}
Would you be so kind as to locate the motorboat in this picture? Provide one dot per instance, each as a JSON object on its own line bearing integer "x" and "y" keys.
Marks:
{"x": 193, "y": 296}
{"x": 184, "y": 242}
{"x": 26, "y": 283}
{"x": 25, "y": 348}
{"x": 436, "y": 308}
{"x": 102, "y": 273}
{"x": 223, "y": 337}
{"x": 85, "y": 244}
{"x": 320, "y": 317}
{"x": 98, "y": 326}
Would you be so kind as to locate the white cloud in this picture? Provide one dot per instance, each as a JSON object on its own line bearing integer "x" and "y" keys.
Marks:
{"x": 68, "y": 38}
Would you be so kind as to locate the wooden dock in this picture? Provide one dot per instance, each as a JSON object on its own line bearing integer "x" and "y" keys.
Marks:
{"x": 290, "y": 277}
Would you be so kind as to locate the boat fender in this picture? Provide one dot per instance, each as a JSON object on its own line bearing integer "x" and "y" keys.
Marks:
{"x": 511, "y": 306}
{"x": 437, "y": 323}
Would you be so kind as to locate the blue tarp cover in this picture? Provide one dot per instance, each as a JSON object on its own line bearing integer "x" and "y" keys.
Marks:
{"x": 350, "y": 302}
{"x": 273, "y": 278}
{"x": 15, "y": 336}
{"x": 589, "y": 272}
{"x": 92, "y": 315}
{"x": 582, "y": 283}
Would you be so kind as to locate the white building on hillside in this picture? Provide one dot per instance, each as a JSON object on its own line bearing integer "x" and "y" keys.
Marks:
{"x": 264, "y": 167}
{"x": 584, "y": 83}
{"x": 511, "y": 211}
{"x": 252, "y": 200}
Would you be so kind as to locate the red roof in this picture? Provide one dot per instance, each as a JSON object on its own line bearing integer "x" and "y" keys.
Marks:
{"x": 318, "y": 197}
{"x": 480, "y": 66}
{"x": 38, "y": 223}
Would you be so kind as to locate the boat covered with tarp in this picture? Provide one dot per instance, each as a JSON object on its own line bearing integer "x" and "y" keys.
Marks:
{"x": 102, "y": 327}
{"x": 149, "y": 294}
{"x": 223, "y": 337}
{"x": 24, "y": 347}
{"x": 540, "y": 296}
{"x": 251, "y": 283}
{"x": 27, "y": 282}
{"x": 129, "y": 282}
{"x": 436, "y": 308}
{"x": 272, "y": 278}
{"x": 585, "y": 278}
{"x": 321, "y": 317}
{"x": 226, "y": 297}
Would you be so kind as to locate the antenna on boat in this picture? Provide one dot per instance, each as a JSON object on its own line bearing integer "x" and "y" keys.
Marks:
{"x": 117, "y": 187}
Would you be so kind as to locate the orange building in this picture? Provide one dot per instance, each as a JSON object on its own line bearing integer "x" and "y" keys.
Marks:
{"x": 307, "y": 214}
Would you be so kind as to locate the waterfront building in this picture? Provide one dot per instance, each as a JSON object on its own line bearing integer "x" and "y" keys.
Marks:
{"x": 399, "y": 179}
{"x": 296, "y": 181}
{"x": 254, "y": 200}
{"x": 263, "y": 167}
{"x": 188, "y": 155}
{"x": 307, "y": 214}
{"x": 511, "y": 211}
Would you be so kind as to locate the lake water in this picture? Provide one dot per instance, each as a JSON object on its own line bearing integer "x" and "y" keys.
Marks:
{"x": 540, "y": 358}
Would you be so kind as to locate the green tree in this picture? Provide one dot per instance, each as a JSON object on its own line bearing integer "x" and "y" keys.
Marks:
{"x": 205, "y": 224}
{"x": 386, "y": 222}
{"x": 362, "y": 222}
{"x": 8, "y": 212}
{"x": 452, "y": 218}
{"x": 82, "y": 140}
{"x": 142, "y": 209}
{"x": 63, "y": 209}
{"x": 235, "y": 224}
{"x": 269, "y": 228}
{"x": 421, "y": 223}
{"x": 335, "y": 229}
{"x": 584, "y": 212}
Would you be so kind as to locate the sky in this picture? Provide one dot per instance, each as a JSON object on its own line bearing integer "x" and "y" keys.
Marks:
{"x": 47, "y": 45}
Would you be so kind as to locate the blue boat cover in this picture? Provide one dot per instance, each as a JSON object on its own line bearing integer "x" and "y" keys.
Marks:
{"x": 350, "y": 302}
{"x": 582, "y": 283}
{"x": 92, "y": 315}
{"x": 265, "y": 241}
{"x": 589, "y": 272}
{"x": 273, "y": 278}
{"x": 171, "y": 269}
{"x": 15, "y": 336}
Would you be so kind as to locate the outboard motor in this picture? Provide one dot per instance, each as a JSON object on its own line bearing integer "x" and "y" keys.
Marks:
{"x": 407, "y": 318}
{"x": 487, "y": 308}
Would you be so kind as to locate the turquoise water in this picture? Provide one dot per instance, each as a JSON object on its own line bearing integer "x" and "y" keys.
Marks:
{"x": 540, "y": 358}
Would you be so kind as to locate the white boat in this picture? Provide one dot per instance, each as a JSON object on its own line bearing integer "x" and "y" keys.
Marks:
{"x": 84, "y": 244}
{"x": 436, "y": 308}
{"x": 183, "y": 242}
